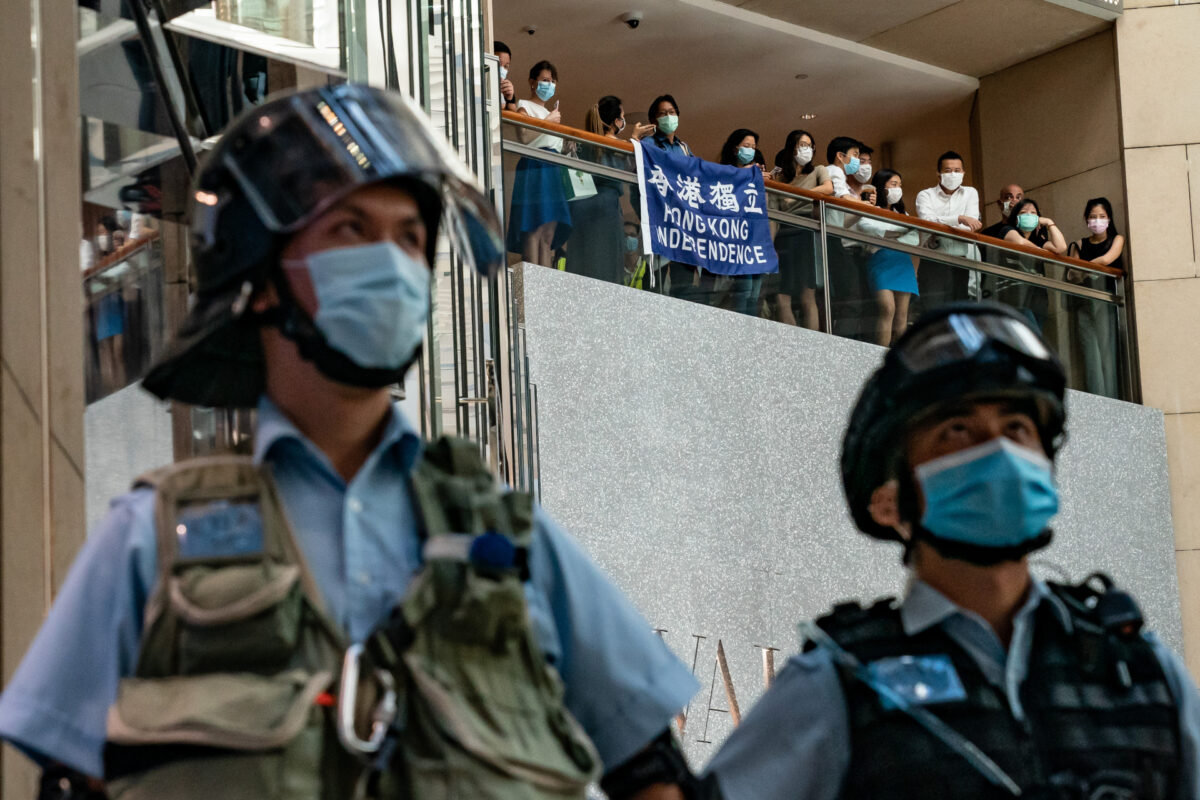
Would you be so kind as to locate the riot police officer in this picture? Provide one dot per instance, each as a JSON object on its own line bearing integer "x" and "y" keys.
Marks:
{"x": 983, "y": 682}
{"x": 350, "y": 612}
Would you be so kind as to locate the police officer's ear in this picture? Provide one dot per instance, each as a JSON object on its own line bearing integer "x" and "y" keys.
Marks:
{"x": 885, "y": 507}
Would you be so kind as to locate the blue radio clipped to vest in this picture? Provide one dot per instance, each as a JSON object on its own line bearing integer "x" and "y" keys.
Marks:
{"x": 920, "y": 680}
{"x": 220, "y": 529}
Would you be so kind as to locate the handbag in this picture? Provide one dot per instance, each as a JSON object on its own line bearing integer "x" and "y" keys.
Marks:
{"x": 579, "y": 184}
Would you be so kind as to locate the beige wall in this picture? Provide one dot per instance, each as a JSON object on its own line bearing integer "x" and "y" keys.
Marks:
{"x": 914, "y": 150}
{"x": 1158, "y": 61}
{"x": 1050, "y": 124}
{"x": 41, "y": 334}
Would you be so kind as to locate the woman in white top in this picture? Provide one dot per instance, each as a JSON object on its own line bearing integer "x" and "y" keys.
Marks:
{"x": 539, "y": 217}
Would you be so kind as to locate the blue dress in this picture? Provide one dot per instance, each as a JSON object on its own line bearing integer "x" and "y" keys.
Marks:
{"x": 891, "y": 270}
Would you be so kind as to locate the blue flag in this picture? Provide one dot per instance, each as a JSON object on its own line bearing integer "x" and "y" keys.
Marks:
{"x": 704, "y": 214}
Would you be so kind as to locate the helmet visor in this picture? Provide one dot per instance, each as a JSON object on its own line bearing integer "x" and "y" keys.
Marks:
{"x": 298, "y": 157}
{"x": 959, "y": 337}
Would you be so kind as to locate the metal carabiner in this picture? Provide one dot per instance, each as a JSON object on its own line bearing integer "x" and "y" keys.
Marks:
{"x": 382, "y": 717}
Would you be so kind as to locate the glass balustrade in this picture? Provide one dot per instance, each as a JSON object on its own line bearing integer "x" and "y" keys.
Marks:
{"x": 852, "y": 270}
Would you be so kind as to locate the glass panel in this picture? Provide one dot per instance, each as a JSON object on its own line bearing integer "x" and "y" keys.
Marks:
{"x": 871, "y": 278}
{"x": 877, "y": 291}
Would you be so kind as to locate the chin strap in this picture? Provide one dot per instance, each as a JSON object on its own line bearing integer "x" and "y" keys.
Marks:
{"x": 294, "y": 323}
{"x": 974, "y": 553}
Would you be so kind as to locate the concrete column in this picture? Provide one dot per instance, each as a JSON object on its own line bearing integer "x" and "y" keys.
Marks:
{"x": 41, "y": 334}
{"x": 1157, "y": 61}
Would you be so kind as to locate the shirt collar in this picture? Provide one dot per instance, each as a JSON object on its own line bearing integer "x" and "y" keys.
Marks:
{"x": 274, "y": 426}
{"x": 661, "y": 138}
{"x": 924, "y": 606}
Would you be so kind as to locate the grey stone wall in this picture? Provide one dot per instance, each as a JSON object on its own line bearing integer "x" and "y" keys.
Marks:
{"x": 694, "y": 453}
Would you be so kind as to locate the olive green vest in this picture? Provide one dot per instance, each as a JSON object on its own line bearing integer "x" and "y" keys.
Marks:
{"x": 235, "y": 691}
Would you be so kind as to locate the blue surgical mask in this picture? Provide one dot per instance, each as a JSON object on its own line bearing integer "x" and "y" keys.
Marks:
{"x": 997, "y": 494}
{"x": 851, "y": 166}
{"x": 372, "y": 302}
{"x": 503, "y": 73}
{"x": 545, "y": 90}
{"x": 745, "y": 155}
{"x": 631, "y": 243}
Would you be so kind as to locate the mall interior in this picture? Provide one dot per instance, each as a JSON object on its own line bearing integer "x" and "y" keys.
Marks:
{"x": 685, "y": 427}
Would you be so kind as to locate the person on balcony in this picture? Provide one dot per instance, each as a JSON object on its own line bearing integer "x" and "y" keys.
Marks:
{"x": 862, "y": 176}
{"x": 953, "y": 204}
{"x": 1028, "y": 229}
{"x": 508, "y": 93}
{"x": 891, "y": 275}
{"x": 847, "y": 271}
{"x": 664, "y": 115}
{"x": 741, "y": 150}
{"x": 1094, "y": 321}
{"x": 539, "y": 216}
{"x": 983, "y": 681}
{"x": 597, "y": 244}
{"x": 1008, "y": 195}
{"x": 685, "y": 281}
{"x": 799, "y": 273}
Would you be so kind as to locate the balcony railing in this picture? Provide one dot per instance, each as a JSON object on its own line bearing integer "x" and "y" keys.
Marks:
{"x": 833, "y": 254}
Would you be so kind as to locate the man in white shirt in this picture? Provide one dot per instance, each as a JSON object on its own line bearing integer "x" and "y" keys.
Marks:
{"x": 847, "y": 272}
{"x": 861, "y": 181}
{"x": 953, "y": 204}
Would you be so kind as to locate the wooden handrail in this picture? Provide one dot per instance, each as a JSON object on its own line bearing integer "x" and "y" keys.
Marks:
{"x": 117, "y": 256}
{"x": 848, "y": 205}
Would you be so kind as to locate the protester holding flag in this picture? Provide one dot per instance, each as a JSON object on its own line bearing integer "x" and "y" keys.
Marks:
{"x": 710, "y": 216}
{"x": 741, "y": 150}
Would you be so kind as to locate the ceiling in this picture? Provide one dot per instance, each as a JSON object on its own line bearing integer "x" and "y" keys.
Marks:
{"x": 724, "y": 71}
{"x": 966, "y": 36}
{"x": 872, "y": 68}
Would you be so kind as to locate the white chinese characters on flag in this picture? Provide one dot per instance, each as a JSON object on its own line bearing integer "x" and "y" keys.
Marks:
{"x": 704, "y": 214}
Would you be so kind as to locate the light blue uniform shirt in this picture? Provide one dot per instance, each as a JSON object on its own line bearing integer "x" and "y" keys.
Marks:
{"x": 361, "y": 542}
{"x": 795, "y": 742}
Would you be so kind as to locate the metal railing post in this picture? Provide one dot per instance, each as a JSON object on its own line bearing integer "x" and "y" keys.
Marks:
{"x": 824, "y": 248}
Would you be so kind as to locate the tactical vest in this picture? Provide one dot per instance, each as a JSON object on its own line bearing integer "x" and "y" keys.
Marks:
{"x": 1099, "y": 713}
{"x": 233, "y": 693}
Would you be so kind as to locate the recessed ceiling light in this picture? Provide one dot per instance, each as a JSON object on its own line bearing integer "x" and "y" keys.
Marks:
{"x": 808, "y": 116}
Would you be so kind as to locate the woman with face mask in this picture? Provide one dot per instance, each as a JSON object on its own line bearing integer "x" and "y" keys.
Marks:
{"x": 741, "y": 150}
{"x": 1095, "y": 322}
{"x": 1027, "y": 228}
{"x": 597, "y": 245}
{"x": 539, "y": 217}
{"x": 799, "y": 274}
{"x": 891, "y": 274}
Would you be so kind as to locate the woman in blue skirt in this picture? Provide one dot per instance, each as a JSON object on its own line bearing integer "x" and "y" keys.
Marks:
{"x": 539, "y": 218}
{"x": 890, "y": 273}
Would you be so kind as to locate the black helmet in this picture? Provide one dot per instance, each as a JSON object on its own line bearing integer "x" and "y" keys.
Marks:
{"x": 956, "y": 352}
{"x": 276, "y": 168}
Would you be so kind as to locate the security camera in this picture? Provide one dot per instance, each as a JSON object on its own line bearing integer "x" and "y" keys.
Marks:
{"x": 632, "y": 19}
{"x": 530, "y": 29}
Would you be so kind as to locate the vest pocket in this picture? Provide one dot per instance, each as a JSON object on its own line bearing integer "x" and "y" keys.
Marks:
{"x": 233, "y": 737}
{"x": 238, "y": 618}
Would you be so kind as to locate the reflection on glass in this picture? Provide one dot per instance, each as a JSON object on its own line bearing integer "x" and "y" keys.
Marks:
{"x": 123, "y": 293}
{"x": 287, "y": 19}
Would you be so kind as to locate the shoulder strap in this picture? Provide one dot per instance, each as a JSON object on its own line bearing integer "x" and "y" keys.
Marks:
{"x": 858, "y": 629}
{"x": 455, "y": 493}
